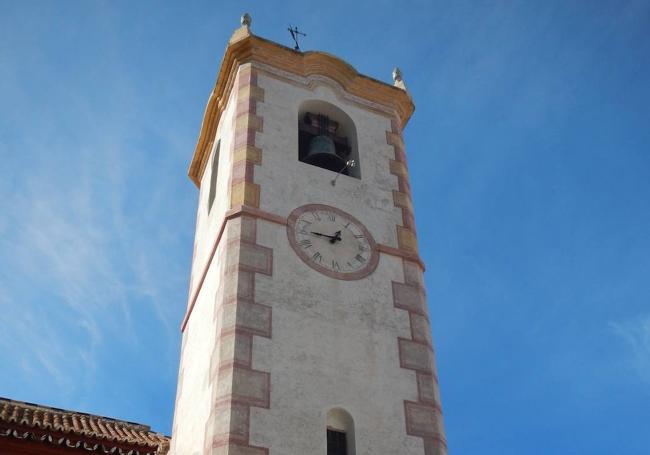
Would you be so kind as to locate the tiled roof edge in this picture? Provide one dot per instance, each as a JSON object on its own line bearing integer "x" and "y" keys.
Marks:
{"x": 65, "y": 442}
{"x": 24, "y": 416}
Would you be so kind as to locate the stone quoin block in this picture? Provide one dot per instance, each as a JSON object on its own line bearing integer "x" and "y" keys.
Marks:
{"x": 406, "y": 239}
{"x": 244, "y": 138}
{"x": 415, "y": 356}
{"x": 434, "y": 446}
{"x": 395, "y": 126}
{"x": 255, "y": 318}
{"x": 409, "y": 297}
{"x": 244, "y": 386}
{"x": 422, "y": 420}
{"x": 394, "y": 139}
{"x": 248, "y": 316}
{"x": 413, "y": 274}
{"x": 420, "y": 329}
{"x": 242, "y": 171}
{"x": 240, "y": 284}
{"x": 408, "y": 220}
{"x": 245, "y": 193}
{"x": 248, "y": 153}
{"x": 402, "y": 200}
{"x": 251, "y": 92}
{"x": 398, "y": 168}
{"x": 246, "y": 106}
{"x": 428, "y": 389}
{"x": 242, "y": 227}
{"x": 404, "y": 185}
{"x": 230, "y": 422}
{"x": 248, "y": 122}
{"x": 247, "y": 76}
{"x": 249, "y": 257}
{"x": 251, "y": 387}
{"x": 234, "y": 349}
{"x": 400, "y": 154}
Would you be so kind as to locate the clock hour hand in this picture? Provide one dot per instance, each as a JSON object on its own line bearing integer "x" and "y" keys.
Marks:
{"x": 333, "y": 238}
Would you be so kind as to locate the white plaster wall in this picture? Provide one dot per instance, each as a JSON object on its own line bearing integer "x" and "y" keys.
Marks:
{"x": 207, "y": 226}
{"x": 287, "y": 183}
{"x": 193, "y": 405}
{"x": 334, "y": 342}
{"x": 194, "y": 399}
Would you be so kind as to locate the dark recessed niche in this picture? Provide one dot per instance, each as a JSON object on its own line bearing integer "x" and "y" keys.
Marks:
{"x": 327, "y": 138}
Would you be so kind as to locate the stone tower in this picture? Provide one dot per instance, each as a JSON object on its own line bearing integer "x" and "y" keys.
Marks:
{"x": 306, "y": 330}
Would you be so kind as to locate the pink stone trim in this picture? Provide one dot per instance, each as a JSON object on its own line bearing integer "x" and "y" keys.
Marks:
{"x": 236, "y": 386}
{"x": 411, "y": 256}
{"x": 423, "y": 420}
{"x": 252, "y": 257}
{"x": 408, "y": 297}
{"x": 242, "y": 171}
{"x": 424, "y": 417}
{"x": 253, "y": 212}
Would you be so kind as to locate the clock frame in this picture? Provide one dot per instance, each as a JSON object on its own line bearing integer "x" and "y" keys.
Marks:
{"x": 370, "y": 264}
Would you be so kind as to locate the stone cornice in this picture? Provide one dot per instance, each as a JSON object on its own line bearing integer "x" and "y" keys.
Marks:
{"x": 247, "y": 48}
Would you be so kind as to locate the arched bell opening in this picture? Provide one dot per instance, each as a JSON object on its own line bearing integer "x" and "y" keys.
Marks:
{"x": 340, "y": 432}
{"x": 327, "y": 138}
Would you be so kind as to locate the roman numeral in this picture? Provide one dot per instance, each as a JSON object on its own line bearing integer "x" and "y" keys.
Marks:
{"x": 358, "y": 236}
{"x": 360, "y": 258}
{"x": 305, "y": 243}
{"x": 317, "y": 257}
{"x": 316, "y": 216}
{"x": 331, "y": 216}
{"x": 346, "y": 226}
{"x": 335, "y": 266}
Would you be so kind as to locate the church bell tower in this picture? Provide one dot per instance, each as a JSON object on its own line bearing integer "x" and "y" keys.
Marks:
{"x": 306, "y": 330}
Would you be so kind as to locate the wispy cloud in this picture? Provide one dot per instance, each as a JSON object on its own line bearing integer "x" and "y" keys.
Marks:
{"x": 636, "y": 336}
{"x": 85, "y": 269}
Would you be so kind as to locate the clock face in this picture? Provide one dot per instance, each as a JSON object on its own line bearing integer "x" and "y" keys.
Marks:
{"x": 332, "y": 242}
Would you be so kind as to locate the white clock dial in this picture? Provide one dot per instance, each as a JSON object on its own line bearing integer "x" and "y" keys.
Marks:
{"x": 332, "y": 242}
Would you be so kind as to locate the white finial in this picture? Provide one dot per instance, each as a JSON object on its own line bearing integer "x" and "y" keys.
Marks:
{"x": 397, "y": 79}
{"x": 397, "y": 74}
{"x": 244, "y": 31}
{"x": 246, "y": 20}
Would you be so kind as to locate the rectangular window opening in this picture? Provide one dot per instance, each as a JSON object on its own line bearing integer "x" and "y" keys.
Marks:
{"x": 336, "y": 443}
{"x": 214, "y": 170}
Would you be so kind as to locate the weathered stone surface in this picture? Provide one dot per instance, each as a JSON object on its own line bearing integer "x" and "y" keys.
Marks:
{"x": 422, "y": 420}
{"x": 415, "y": 356}
{"x": 409, "y": 297}
{"x": 420, "y": 328}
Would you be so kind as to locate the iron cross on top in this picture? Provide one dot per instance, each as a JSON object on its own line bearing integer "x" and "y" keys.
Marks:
{"x": 295, "y": 34}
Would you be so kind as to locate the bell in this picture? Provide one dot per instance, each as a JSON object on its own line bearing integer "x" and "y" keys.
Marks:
{"x": 322, "y": 153}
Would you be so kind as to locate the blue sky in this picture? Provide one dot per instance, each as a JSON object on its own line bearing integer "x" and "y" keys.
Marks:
{"x": 530, "y": 164}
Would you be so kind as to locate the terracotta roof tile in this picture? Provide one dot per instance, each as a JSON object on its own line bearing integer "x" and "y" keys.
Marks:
{"x": 80, "y": 430}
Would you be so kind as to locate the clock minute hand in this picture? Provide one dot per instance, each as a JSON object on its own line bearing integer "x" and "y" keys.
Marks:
{"x": 325, "y": 235}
